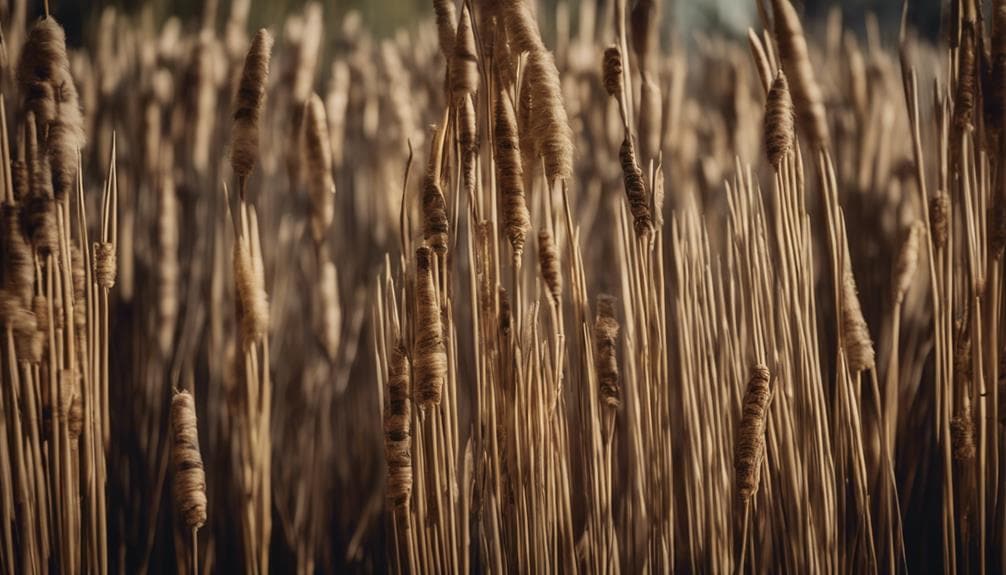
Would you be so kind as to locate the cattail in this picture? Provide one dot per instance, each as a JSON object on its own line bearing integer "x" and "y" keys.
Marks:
{"x": 43, "y": 61}
{"x": 855, "y": 333}
{"x": 28, "y": 337}
{"x": 939, "y": 218}
{"x": 331, "y": 312}
{"x": 65, "y": 139}
{"x": 549, "y": 128}
{"x": 635, "y": 188}
{"x": 750, "y": 445}
{"x": 505, "y": 314}
{"x": 397, "y": 432}
{"x": 434, "y": 214}
{"x": 319, "y": 165}
{"x": 167, "y": 267}
{"x": 612, "y": 71}
{"x": 606, "y": 349}
{"x": 430, "y": 356}
{"x": 78, "y": 275}
{"x": 20, "y": 181}
{"x": 962, "y": 432}
{"x": 19, "y": 265}
{"x": 464, "y": 65}
{"x": 253, "y": 304}
{"x": 521, "y": 27}
{"x": 40, "y": 209}
{"x": 40, "y": 99}
{"x": 779, "y": 133}
{"x": 908, "y": 260}
{"x": 967, "y": 72}
{"x": 190, "y": 479}
{"x": 248, "y": 105}
{"x": 510, "y": 176}
{"x": 446, "y": 17}
{"x": 548, "y": 258}
{"x": 528, "y": 153}
{"x": 796, "y": 61}
{"x": 104, "y": 264}
{"x": 468, "y": 139}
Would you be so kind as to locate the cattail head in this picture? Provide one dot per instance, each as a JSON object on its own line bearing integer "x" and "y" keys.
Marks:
{"x": 800, "y": 72}
{"x": 434, "y": 213}
{"x": 612, "y": 72}
{"x": 190, "y": 479}
{"x": 606, "y": 350}
{"x": 549, "y": 129}
{"x": 967, "y": 73}
{"x": 397, "y": 429}
{"x": 253, "y": 305}
{"x": 908, "y": 260}
{"x": 749, "y": 448}
{"x": 505, "y": 314}
{"x": 855, "y": 333}
{"x": 464, "y": 64}
{"x": 317, "y": 146}
{"x": 635, "y": 188}
{"x": 430, "y": 355}
{"x": 521, "y": 27}
{"x": 779, "y": 133}
{"x": 510, "y": 175}
{"x": 939, "y": 218}
{"x": 20, "y": 180}
{"x": 548, "y": 258}
{"x": 248, "y": 105}
{"x": 43, "y": 58}
{"x": 962, "y": 432}
{"x": 446, "y": 17}
{"x": 104, "y": 264}
{"x": 78, "y": 274}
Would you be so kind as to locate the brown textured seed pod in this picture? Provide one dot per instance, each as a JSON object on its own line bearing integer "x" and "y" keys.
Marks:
{"x": 907, "y": 262}
{"x": 549, "y": 129}
{"x": 548, "y": 259}
{"x": 248, "y": 103}
{"x": 855, "y": 333}
{"x": 397, "y": 429}
{"x": 779, "y": 131}
{"x": 253, "y": 304}
{"x": 521, "y": 27}
{"x": 612, "y": 71}
{"x": 464, "y": 64}
{"x": 190, "y": 479}
{"x": 40, "y": 208}
{"x": 434, "y": 214}
{"x": 430, "y": 355}
{"x": 40, "y": 99}
{"x": 962, "y": 432}
{"x": 78, "y": 274}
{"x": 468, "y": 138}
{"x": 505, "y": 314}
{"x": 939, "y": 218}
{"x": 635, "y": 189}
{"x": 18, "y": 260}
{"x": 967, "y": 72}
{"x": 606, "y": 350}
{"x": 318, "y": 150}
{"x": 104, "y": 264}
{"x": 20, "y": 180}
{"x": 800, "y": 72}
{"x": 510, "y": 176}
{"x": 749, "y": 448}
{"x": 446, "y": 18}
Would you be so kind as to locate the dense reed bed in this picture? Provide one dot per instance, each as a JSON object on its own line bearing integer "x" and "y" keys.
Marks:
{"x": 506, "y": 292}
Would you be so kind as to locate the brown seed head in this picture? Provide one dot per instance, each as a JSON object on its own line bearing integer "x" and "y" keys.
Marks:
{"x": 908, "y": 260}
{"x": 318, "y": 151}
{"x": 549, "y": 129}
{"x": 397, "y": 429}
{"x": 430, "y": 356}
{"x": 749, "y": 448}
{"x": 190, "y": 479}
{"x": 612, "y": 71}
{"x": 939, "y": 218}
{"x": 635, "y": 189}
{"x": 779, "y": 132}
{"x": 104, "y": 264}
{"x": 855, "y": 333}
{"x": 606, "y": 350}
{"x": 248, "y": 105}
{"x": 800, "y": 72}
{"x": 464, "y": 66}
{"x": 510, "y": 175}
{"x": 548, "y": 258}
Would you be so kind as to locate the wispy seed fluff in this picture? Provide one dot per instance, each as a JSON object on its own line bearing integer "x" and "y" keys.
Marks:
{"x": 855, "y": 333}
{"x": 606, "y": 350}
{"x": 778, "y": 121}
{"x": 549, "y": 128}
{"x": 908, "y": 260}
{"x": 464, "y": 64}
{"x": 252, "y": 301}
{"x": 548, "y": 259}
{"x": 521, "y": 27}
{"x": 248, "y": 105}
{"x": 446, "y": 18}
{"x": 510, "y": 175}
{"x": 40, "y": 209}
{"x": 318, "y": 152}
{"x": 190, "y": 479}
{"x": 397, "y": 430}
{"x": 635, "y": 188}
{"x": 430, "y": 356}
{"x": 612, "y": 71}
{"x": 749, "y": 449}
{"x": 104, "y": 264}
{"x": 796, "y": 61}
{"x": 939, "y": 218}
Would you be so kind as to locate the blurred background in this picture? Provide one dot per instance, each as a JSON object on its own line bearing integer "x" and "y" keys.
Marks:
{"x": 383, "y": 17}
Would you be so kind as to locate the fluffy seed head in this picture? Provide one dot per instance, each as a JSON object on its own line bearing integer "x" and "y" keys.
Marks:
{"x": 464, "y": 65}
{"x": 397, "y": 429}
{"x": 749, "y": 448}
{"x": 434, "y": 214}
{"x": 318, "y": 151}
{"x": 430, "y": 356}
{"x": 612, "y": 71}
{"x": 635, "y": 188}
{"x": 908, "y": 260}
{"x": 549, "y": 129}
{"x": 248, "y": 105}
{"x": 253, "y": 305}
{"x": 190, "y": 479}
{"x": 548, "y": 258}
{"x": 606, "y": 350}
{"x": 446, "y": 17}
{"x": 855, "y": 333}
{"x": 104, "y": 264}
{"x": 779, "y": 132}
{"x": 510, "y": 175}
{"x": 939, "y": 218}
{"x": 796, "y": 62}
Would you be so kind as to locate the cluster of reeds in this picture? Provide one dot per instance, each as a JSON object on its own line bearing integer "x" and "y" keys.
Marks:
{"x": 586, "y": 299}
